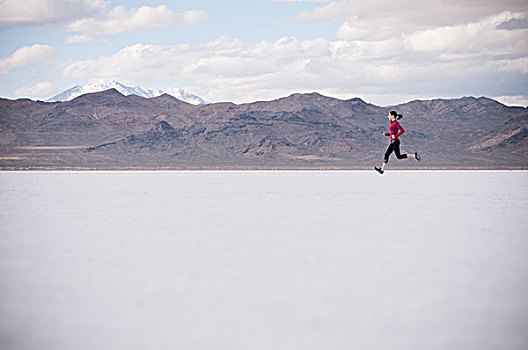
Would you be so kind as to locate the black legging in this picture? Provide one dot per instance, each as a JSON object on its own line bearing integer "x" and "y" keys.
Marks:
{"x": 394, "y": 146}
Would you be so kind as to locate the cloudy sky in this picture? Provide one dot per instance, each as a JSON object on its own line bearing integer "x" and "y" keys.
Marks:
{"x": 384, "y": 51}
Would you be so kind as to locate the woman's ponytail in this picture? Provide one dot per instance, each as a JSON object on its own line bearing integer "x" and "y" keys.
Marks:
{"x": 399, "y": 116}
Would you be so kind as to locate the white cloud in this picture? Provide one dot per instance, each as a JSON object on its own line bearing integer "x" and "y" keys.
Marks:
{"x": 516, "y": 100}
{"x": 414, "y": 12}
{"x": 25, "y": 56}
{"x": 118, "y": 20}
{"x": 367, "y": 30}
{"x": 38, "y": 12}
{"x": 483, "y": 37}
{"x": 79, "y": 39}
{"x": 39, "y": 90}
{"x": 519, "y": 65}
{"x": 227, "y": 69}
{"x": 223, "y": 64}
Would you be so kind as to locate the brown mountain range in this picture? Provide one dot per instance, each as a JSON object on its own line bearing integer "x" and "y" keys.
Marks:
{"x": 108, "y": 130}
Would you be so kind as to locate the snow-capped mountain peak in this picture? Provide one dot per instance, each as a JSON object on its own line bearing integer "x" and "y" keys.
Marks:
{"x": 183, "y": 95}
{"x": 102, "y": 85}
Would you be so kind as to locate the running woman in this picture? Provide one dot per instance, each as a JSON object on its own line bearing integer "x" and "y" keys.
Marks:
{"x": 396, "y": 130}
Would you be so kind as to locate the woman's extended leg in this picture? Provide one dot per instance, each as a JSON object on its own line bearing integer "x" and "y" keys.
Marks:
{"x": 397, "y": 151}
{"x": 406, "y": 155}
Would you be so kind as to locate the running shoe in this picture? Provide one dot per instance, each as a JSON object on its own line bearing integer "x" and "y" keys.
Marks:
{"x": 417, "y": 156}
{"x": 378, "y": 169}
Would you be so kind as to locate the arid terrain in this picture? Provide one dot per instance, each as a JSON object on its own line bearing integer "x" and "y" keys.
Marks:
{"x": 107, "y": 130}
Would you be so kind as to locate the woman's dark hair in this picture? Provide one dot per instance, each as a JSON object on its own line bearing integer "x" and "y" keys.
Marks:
{"x": 398, "y": 116}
